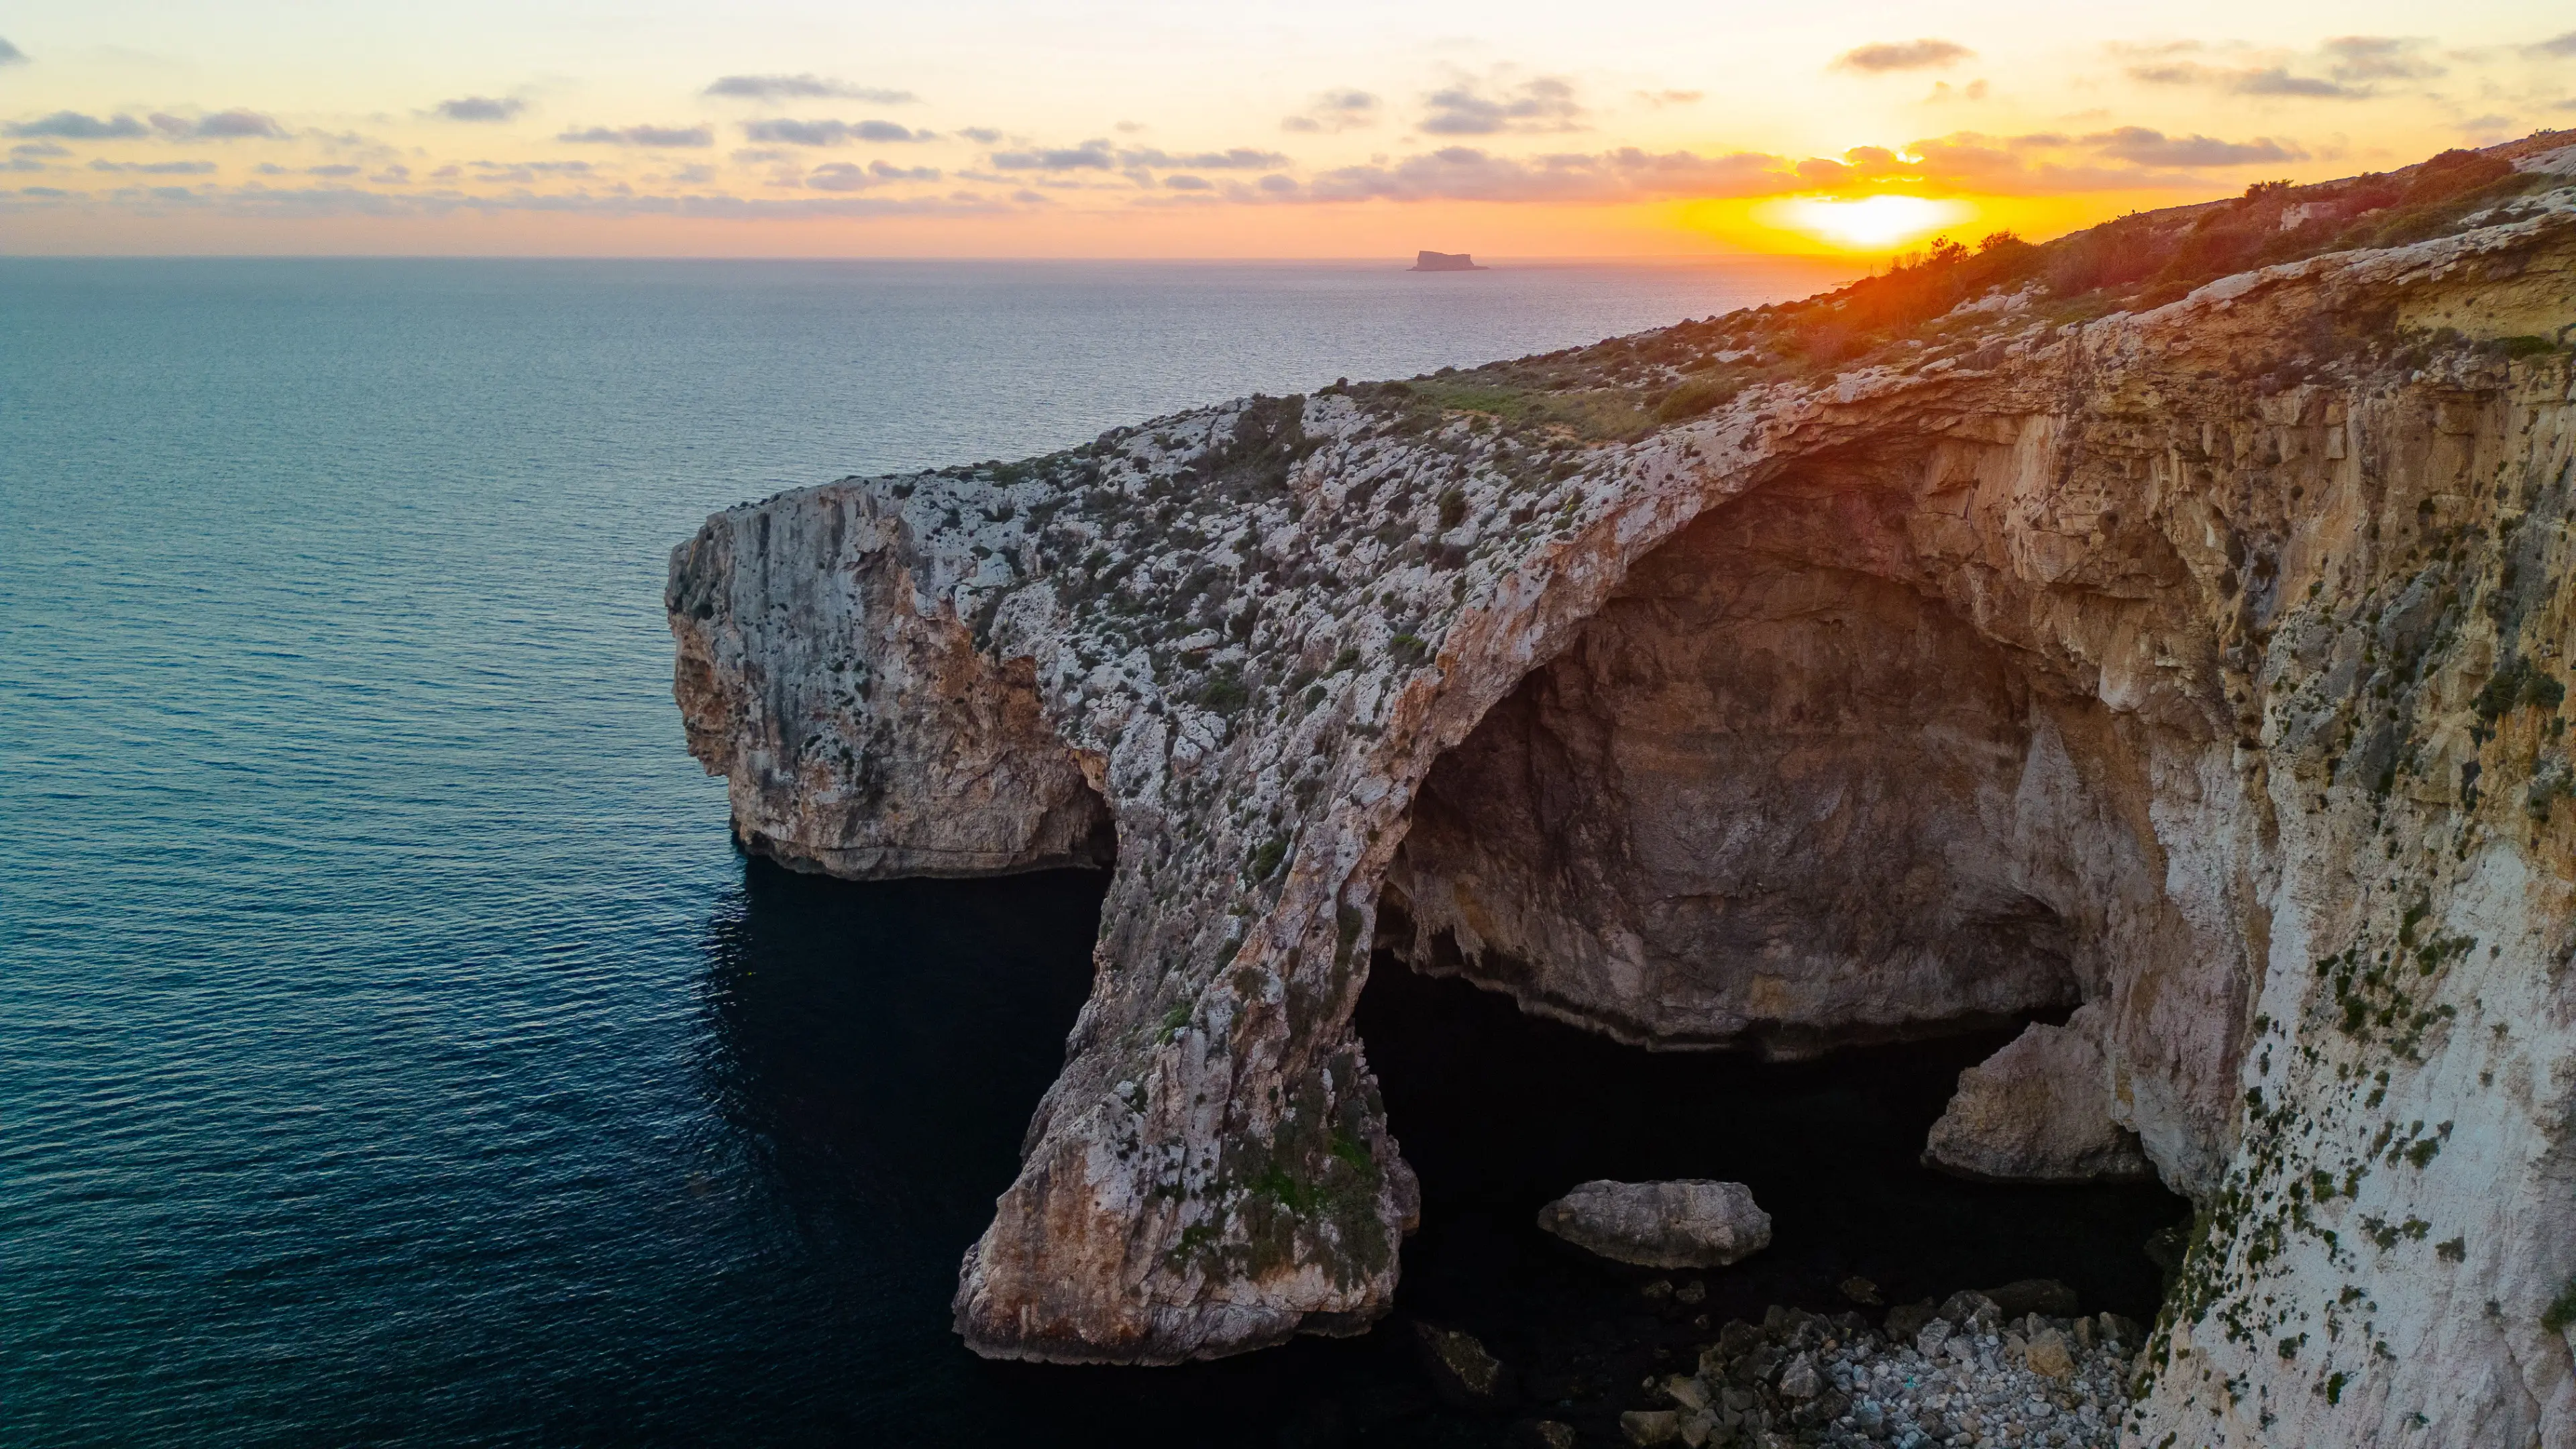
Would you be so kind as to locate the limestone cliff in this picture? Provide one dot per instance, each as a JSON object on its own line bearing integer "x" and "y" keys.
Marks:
{"x": 2191, "y": 654}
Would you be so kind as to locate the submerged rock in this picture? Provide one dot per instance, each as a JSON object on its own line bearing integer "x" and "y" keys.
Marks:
{"x": 1460, "y": 1367}
{"x": 1687, "y": 1223}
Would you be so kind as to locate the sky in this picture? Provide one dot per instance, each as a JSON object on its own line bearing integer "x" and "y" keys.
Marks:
{"x": 1321, "y": 128}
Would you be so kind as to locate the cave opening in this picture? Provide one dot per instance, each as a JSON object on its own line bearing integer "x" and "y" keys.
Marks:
{"x": 1500, "y": 1111}
{"x": 1791, "y": 834}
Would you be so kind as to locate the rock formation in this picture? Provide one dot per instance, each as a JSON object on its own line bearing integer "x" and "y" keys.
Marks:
{"x": 2040, "y": 1110}
{"x": 2188, "y": 648}
{"x": 1691, "y": 1223}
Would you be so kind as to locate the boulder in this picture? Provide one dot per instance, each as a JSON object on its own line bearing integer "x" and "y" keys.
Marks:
{"x": 2025, "y": 1296}
{"x": 1687, "y": 1223}
{"x": 1460, "y": 1367}
{"x": 2039, "y": 1111}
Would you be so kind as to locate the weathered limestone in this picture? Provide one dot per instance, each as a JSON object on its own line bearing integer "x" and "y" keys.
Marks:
{"x": 2040, "y": 1110}
{"x": 2201, "y": 667}
{"x": 1688, "y": 1223}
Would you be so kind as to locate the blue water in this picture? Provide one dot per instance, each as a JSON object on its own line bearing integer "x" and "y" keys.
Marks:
{"x": 392, "y": 1048}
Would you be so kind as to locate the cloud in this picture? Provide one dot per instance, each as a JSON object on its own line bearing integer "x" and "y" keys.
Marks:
{"x": 481, "y": 108}
{"x": 2377, "y": 57}
{"x": 1239, "y": 158}
{"x": 11, "y": 55}
{"x": 231, "y": 125}
{"x": 804, "y": 87}
{"x": 73, "y": 126}
{"x": 831, "y": 133}
{"x": 156, "y": 168}
{"x": 1974, "y": 90}
{"x": 848, "y": 176}
{"x": 2138, "y": 145}
{"x": 2555, "y": 45}
{"x": 641, "y": 136}
{"x": 1465, "y": 173}
{"x": 1660, "y": 99}
{"x": 1542, "y": 103}
{"x": 40, "y": 148}
{"x": 2265, "y": 81}
{"x": 980, "y": 135}
{"x": 1089, "y": 156}
{"x": 339, "y": 168}
{"x": 1336, "y": 110}
{"x": 1887, "y": 55}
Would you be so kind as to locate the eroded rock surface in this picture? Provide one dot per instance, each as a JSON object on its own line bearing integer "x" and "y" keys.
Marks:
{"x": 2040, "y": 1110}
{"x": 1687, "y": 1223}
{"x": 2201, "y": 664}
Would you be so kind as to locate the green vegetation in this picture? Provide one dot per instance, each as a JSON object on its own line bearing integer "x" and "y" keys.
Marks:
{"x": 2560, "y": 1315}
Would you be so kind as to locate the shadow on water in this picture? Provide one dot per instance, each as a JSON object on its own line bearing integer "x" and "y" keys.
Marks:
{"x": 879, "y": 1049}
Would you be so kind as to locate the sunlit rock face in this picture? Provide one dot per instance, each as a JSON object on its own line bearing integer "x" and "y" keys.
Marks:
{"x": 2200, "y": 668}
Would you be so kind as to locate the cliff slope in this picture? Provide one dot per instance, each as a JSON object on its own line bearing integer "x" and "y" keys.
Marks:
{"x": 2012, "y": 635}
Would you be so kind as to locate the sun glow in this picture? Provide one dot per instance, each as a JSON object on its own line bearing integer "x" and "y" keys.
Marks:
{"x": 1871, "y": 223}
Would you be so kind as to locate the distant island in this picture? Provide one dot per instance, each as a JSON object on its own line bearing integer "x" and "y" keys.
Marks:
{"x": 1445, "y": 262}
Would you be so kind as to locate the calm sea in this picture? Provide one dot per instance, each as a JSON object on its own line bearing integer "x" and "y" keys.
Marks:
{"x": 392, "y": 1049}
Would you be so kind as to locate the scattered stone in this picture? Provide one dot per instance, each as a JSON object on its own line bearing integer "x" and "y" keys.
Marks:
{"x": 2026, "y": 1296}
{"x": 1549, "y": 1434}
{"x": 1907, "y": 1319}
{"x": 1658, "y": 1291}
{"x": 2047, "y": 1354}
{"x": 1693, "y": 1291}
{"x": 1861, "y": 1291}
{"x": 1689, "y": 1223}
{"x": 1651, "y": 1426}
{"x": 1461, "y": 1369}
{"x": 1804, "y": 1379}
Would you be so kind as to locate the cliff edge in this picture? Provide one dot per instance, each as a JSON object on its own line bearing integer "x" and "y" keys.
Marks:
{"x": 2105, "y": 626}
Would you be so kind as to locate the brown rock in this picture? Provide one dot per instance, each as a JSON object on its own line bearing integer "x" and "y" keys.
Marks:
{"x": 2039, "y": 1111}
{"x": 1690, "y": 1223}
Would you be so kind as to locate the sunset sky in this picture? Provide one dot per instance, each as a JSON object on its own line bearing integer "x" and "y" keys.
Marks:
{"x": 1320, "y": 128}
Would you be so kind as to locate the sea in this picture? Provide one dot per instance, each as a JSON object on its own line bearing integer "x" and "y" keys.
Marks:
{"x": 395, "y": 1050}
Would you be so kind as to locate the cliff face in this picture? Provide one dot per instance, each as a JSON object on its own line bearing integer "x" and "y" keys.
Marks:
{"x": 2199, "y": 665}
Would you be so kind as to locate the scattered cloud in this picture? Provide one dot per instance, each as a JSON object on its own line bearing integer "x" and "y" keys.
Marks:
{"x": 804, "y": 87}
{"x": 1942, "y": 91}
{"x": 39, "y": 148}
{"x": 1335, "y": 110}
{"x": 2154, "y": 148}
{"x": 73, "y": 126}
{"x": 1466, "y": 173}
{"x": 232, "y": 125}
{"x": 1186, "y": 182}
{"x": 1542, "y": 103}
{"x": 641, "y": 136}
{"x": 848, "y": 176}
{"x": 2555, "y": 45}
{"x": 11, "y": 55}
{"x": 2263, "y": 81}
{"x": 830, "y": 133}
{"x": 157, "y": 168}
{"x": 1660, "y": 99}
{"x": 980, "y": 135}
{"x": 1239, "y": 158}
{"x": 1887, "y": 55}
{"x": 1089, "y": 156}
{"x": 481, "y": 108}
{"x": 2378, "y": 57}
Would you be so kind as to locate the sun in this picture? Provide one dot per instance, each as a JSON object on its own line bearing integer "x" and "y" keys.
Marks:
{"x": 1869, "y": 223}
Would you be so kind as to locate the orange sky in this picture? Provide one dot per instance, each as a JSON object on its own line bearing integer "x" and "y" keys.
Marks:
{"x": 1328, "y": 128}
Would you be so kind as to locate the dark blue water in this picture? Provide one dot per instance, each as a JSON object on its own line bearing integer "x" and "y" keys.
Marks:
{"x": 392, "y": 1049}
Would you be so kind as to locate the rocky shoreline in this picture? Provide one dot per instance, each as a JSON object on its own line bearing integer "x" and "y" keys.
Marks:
{"x": 1969, "y": 1372}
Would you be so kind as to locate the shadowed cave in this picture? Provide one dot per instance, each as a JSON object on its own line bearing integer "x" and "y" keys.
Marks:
{"x": 1776, "y": 794}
